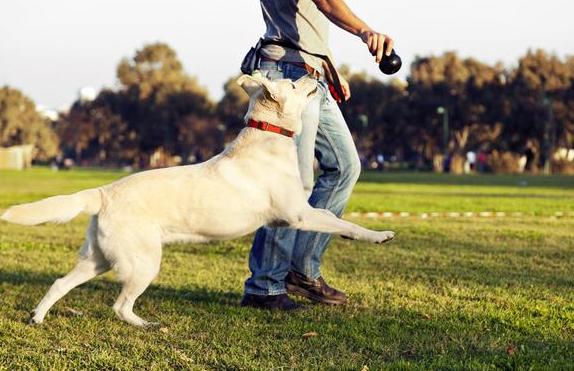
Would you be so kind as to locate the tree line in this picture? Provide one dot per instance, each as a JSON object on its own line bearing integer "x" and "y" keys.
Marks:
{"x": 448, "y": 106}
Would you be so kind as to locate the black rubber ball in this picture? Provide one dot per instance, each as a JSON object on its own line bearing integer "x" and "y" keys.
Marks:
{"x": 391, "y": 64}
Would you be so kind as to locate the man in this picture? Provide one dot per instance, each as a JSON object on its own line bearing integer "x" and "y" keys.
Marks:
{"x": 284, "y": 260}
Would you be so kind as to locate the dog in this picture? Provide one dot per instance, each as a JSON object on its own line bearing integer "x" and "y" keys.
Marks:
{"x": 255, "y": 181}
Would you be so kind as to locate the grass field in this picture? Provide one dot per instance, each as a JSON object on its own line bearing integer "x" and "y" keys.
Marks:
{"x": 448, "y": 293}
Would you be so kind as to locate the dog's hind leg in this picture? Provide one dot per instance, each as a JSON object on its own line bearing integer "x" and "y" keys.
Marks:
{"x": 321, "y": 220}
{"x": 136, "y": 272}
{"x": 142, "y": 274}
{"x": 91, "y": 263}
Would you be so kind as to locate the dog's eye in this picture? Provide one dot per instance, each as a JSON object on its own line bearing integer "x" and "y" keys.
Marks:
{"x": 268, "y": 95}
{"x": 270, "y": 99}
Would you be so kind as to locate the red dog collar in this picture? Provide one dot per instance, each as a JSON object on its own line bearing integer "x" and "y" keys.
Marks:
{"x": 266, "y": 126}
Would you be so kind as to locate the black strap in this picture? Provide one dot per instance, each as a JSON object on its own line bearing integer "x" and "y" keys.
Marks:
{"x": 330, "y": 66}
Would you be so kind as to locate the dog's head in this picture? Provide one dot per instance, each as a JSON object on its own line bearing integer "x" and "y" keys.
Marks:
{"x": 280, "y": 102}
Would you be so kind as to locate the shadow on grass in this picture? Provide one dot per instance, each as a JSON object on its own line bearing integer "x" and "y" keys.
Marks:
{"x": 191, "y": 294}
{"x": 351, "y": 335}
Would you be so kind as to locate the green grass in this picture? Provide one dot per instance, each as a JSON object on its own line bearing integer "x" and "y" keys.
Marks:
{"x": 420, "y": 192}
{"x": 448, "y": 293}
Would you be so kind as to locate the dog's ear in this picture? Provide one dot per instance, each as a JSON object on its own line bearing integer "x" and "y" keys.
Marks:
{"x": 251, "y": 84}
{"x": 307, "y": 85}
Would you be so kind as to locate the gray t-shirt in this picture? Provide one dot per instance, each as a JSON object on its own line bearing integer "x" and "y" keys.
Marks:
{"x": 300, "y": 23}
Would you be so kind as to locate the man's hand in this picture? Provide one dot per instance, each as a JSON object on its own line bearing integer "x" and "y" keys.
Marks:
{"x": 344, "y": 84}
{"x": 339, "y": 13}
{"x": 345, "y": 87}
{"x": 378, "y": 44}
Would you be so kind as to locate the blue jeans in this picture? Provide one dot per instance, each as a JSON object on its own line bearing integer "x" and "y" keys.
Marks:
{"x": 276, "y": 251}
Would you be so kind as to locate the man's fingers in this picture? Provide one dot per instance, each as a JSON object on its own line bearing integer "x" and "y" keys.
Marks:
{"x": 346, "y": 88}
{"x": 372, "y": 43}
{"x": 346, "y": 91}
{"x": 380, "y": 47}
{"x": 390, "y": 45}
{"x": 379, "y": 44}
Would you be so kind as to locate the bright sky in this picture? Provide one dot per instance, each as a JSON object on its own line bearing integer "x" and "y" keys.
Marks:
{"x": 51, "y": 49}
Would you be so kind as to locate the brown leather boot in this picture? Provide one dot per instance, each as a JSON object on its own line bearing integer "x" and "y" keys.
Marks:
{"x": 315, "y": 290}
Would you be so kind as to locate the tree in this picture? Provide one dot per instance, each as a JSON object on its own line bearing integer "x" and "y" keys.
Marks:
{"x": 158, "y": 107}
{"x": 232, "y": 107}
{"x": 377, "y": 116}
{"x": 163, "y": 102}
{"x": 156, "y": 71}
{"x": 470, "y": 91}
{"x": 20, "y": 123}
{"x": 94, "y": 130}
{"x": 542, "y": 105}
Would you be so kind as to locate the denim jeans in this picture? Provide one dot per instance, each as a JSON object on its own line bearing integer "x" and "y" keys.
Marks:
{"x": 325, "y": 135}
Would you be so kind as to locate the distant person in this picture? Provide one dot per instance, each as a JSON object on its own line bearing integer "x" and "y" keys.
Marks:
{"x": 57, "y": 162}
{"x": 470, "y": 163}
{"x": 380, "y": 162}
{"x": 284, "y": 260}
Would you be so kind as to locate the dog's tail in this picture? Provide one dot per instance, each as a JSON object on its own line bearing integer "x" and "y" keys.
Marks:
{"x": 57, "y": 209}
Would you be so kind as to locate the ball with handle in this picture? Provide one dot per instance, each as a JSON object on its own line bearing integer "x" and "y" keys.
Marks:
{"x": 390, "y": 64}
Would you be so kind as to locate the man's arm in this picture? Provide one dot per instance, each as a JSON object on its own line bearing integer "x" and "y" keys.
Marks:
{"x": 341, "y": 15}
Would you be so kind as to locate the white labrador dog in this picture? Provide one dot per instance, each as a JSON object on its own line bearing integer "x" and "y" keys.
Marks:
{"x": 254, "y": 182}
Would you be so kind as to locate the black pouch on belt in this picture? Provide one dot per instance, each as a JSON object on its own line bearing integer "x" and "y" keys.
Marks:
{"x": 251, "y": 60}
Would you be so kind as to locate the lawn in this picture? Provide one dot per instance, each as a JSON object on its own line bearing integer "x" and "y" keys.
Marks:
{"x": 466, "y": 292}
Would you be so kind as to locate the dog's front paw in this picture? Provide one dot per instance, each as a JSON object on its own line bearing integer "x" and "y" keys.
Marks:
{"x": 382, "y": 237}
{"x": 35, "y": 319}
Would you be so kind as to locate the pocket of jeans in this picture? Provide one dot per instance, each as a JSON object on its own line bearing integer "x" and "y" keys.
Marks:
{"x": 327, "y": 98}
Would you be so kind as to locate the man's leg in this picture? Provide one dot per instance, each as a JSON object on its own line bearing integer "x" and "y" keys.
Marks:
{"x": 270, "y": 256}
{"x": 340, "y": 166}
